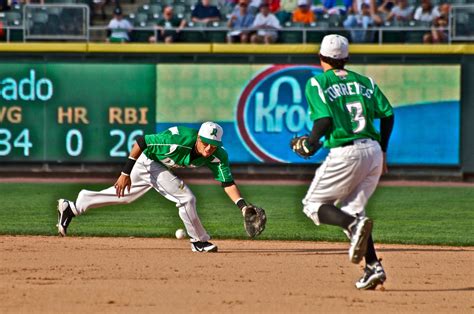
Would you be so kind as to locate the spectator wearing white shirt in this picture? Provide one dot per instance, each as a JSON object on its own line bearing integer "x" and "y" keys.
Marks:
{"x": 267, "y": 25}
{"x": 426, "y": 12}
{"x": 401, "y": 12}
{"x": 119, "y": 28}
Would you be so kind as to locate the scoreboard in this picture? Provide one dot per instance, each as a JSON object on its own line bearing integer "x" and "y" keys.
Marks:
{"x": 74, "y": 112}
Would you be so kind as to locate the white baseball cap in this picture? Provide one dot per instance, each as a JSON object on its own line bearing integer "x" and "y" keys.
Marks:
{"x": 334, "y": 46}
{"x": 211, "y": 133}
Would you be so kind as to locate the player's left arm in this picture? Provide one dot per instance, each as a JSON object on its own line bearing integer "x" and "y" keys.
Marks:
{"x": 219, "y": 165}
{"x": 384, "y": 111}
{"x": 124, "y": 182}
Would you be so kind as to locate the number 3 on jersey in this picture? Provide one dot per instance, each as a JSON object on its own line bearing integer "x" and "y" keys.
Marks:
{"x": 357, "y": 116}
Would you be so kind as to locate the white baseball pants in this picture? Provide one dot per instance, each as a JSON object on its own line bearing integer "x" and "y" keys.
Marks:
{"x": 347, "y": 177}
{"x": 147, "y": 174}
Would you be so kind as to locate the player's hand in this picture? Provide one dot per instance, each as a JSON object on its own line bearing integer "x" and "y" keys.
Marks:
{"x": 123, "y": 182}
{"x": 384, "y": 164}
{"x": 300, "y": 145}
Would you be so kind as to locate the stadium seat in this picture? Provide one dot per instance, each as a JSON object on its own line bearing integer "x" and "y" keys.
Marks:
{"x": 131, "y": 18}
{"x": 314, "y": 36}
{"x": 335, "y": 20}
{"x": 389, "y": 36}
{"x": 179, "y": 10}
{"x": 167, "y": 2}
{"x": 187, "y": 16}
{"x": 140, "y": 35}
{"x": 155, "y": 9}
{"x": 219, "y": 35}
{"x": 227, "y": 9}
{"x": 13, "y": 18}
{"x": 414, "y": 36}
{"x": 190, "y": 3}
{"x": 283, "y": 17}
{"x": 37, "y": 22}
{"x": 291, "y": 37}
{"x": 192, "y": 34}
{"x": 141, "y": 19}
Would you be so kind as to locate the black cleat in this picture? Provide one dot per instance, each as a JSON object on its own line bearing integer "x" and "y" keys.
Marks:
{"x": 374, "y": 275}
{"x": 65, "y": 215}
{"x": 198, "y": 246}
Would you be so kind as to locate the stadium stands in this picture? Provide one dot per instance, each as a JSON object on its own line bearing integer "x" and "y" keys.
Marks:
{"x": 50, "y": 22}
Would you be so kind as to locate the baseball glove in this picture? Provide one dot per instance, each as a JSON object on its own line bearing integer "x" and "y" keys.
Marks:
{"x": 254, "y": 220}
{"x": 302, "y": 148}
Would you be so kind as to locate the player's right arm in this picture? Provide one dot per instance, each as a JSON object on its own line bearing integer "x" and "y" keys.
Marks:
{"x": 318, "y": 111}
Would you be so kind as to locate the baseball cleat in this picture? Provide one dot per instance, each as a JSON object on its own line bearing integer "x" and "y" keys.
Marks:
{"x": 198, "y": 246}
{"x": 359, "y": 235}
{"x": 374, "y": 275}
{"x": 65, "y": 215}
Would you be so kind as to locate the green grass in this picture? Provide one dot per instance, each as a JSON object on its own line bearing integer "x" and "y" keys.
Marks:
{"x": 409, "y": 215}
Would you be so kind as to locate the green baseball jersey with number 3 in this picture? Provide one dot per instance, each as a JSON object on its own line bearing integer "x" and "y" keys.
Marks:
{"x": 172, "y": 148}
{"x": 352, "y": 100}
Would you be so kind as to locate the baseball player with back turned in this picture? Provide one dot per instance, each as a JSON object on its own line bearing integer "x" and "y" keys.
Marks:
{"x": 343, "y": 105}
{"x": 148, "y": 166}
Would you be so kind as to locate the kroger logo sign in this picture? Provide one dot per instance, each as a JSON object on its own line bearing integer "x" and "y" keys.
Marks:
{"x": 272, "y": 109}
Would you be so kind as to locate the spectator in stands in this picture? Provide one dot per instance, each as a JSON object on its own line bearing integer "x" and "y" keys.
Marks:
{"x": 426, "y": 12}
{"x": 4, "y": 6}
{"x": 360, "y": 20}
{"x": 274, "y": 5}
{"x": 286, "y": 9}
{"x": 32, "y": 2}
{"x": 303, "y": 14}
{"x": 254, "y": 5}
{"x": 372, "y": 10}
{"x": 266, "y": 24}
{"x": 98, "y": 5}
{"x": 205, "y": 13}
{"x": 439, "y": 30}
{"x": 227, "y": 3}
{"x": 331, "y": 7}
{"x": 240, "y": 22}
{"x": 119, "y": 28}
{"x": 401, "y": 12}
{"x": 169, "y": 27}
{"x": 386, "y": 6}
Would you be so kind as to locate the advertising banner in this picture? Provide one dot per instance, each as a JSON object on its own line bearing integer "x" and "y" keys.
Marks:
{"x": 261, "y": 107}
{"x": 74, "y": 112}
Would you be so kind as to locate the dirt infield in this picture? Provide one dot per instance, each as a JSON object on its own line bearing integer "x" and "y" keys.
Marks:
{"x": 124, "y": 275}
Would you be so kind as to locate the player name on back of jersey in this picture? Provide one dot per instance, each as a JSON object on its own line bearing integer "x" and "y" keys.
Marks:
{"x": 348, "y": 89}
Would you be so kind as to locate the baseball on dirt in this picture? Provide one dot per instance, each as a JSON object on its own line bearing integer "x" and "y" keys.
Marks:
{"x": 180, "y": 234}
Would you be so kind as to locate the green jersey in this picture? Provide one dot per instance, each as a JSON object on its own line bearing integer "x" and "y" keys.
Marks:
{"x": 172, "y": 148}
{"x": 352, "y": 100}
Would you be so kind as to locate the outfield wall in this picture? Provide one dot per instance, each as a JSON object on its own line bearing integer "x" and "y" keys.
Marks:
{"x": 87, "y": 102}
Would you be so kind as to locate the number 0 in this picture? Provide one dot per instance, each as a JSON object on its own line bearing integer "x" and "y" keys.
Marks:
{"x": 70, "y": 150}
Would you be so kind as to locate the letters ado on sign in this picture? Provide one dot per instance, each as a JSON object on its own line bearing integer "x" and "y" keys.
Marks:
{"x": 27, "y": 89}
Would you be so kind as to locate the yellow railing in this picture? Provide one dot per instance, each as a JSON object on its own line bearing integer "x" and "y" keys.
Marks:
{"x": 232, "y": 48}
